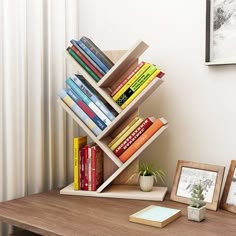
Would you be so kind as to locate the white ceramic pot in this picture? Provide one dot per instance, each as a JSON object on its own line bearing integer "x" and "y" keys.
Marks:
{"x": 196, "y": 214}
{"x": 146, "y": 183}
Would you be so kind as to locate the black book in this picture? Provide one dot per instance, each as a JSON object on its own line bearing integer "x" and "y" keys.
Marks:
{"x": 96, "y": 51}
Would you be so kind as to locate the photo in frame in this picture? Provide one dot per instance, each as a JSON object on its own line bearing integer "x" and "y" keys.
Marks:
{"x": 220, "y": 32}
{"x": 228, "y": 200}
{"x": 189, "y": 173}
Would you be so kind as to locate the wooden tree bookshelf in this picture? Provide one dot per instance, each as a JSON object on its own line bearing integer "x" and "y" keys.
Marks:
{"x": 115, "y": 75}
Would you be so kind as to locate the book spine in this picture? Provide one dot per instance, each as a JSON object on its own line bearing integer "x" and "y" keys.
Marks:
{"x": 131, "y": 90}
{"x": 89, "y": 169}
{"x": 84, "y": 59}
{"x": 85, "y": 89}
{"x": 96, "y": 50}
{"x": 140, "y": 65}
{"x": 92, "y": 56}
{"x": 76, "y": 163}
{"x": 133, "y": 136}
{"x": 87, "y": 69}
{"x": 125, "y": 135}
{"x": 79, "y": 112}
{"x": 142, "y": 87}
{"x": 134, "y": 77}
{"x": 141, "y": 140}
{"x": 80, "y": 95}
{"x": 86, "y": 168}
{"x": 123, "y": 131}
{"x": 81, "y": 167}
{"x": 93, "y": 164}
{"x": 73, "y": 42}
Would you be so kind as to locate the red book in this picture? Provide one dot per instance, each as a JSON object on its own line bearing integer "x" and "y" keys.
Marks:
{"x": 82, "y": 171}
{"x": 86, "y": 61}
{"x": 97, "y": 167}
{"x": 134, "y": 135}
{"x": 85, "y": 167}
{"x": 142, "y": 139}
{"x": 127, "y": 78}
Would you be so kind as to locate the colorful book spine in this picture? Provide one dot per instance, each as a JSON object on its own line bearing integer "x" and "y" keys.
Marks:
{"x": 134, "y": 135}
{"x": 134, "y": 87}
{"x": 142, "y": 139}
{"x": 97, "y": 167}
{"x": 78, "y": 143}
{"x": 89, "y": 168}
{"x": 79, "y": 112}
{"x": 131, "y": 81}
{"x": 87, "y": 69}
{"x": 82, "y": 168}
{"x": 126, "y": 134}
{"x": 92, "y": 56}
{"x": 96, "y": 50}
{"x": 78, "y": 100}
{"x": 140, "y": 89}
{"x": 73, "y": 42}
{"x": 85, "y": 168}
{"x": 88, "y": 102}
{"x": 123, "y": 131}
{"x": 79, "y": 80}
{"x": 87, "y": 62}
{"x": 140, "y": 65}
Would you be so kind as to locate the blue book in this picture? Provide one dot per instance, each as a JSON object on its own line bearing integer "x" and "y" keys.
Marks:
{"x": 88, "y": 101}
{"x": 78, "y": 100}
{"x": 79, "y": 112}
{"x": 92, "y": 56}
{"x": 89, "y": 91}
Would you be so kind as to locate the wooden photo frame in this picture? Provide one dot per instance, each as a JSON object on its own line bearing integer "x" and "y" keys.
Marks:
{"x": 220, "y": 32}
{"x": 228, "y": 200}
{"x": 188, "y": 173}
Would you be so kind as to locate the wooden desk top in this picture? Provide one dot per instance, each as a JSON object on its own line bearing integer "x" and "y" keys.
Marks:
{"x": 54, "y": 214}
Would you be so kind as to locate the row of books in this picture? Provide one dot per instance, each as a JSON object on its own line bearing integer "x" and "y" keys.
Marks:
{"x": 132, "y": 85}
{"x": 134, "y": 135}
{"x": 90, "y": 57}
{"x": 87, "y": 104}
{"x": 88, "y": 165}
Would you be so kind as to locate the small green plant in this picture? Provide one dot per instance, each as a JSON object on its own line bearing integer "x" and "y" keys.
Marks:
{"x": 148, "y": 169}
{"x": 197, "y": 197}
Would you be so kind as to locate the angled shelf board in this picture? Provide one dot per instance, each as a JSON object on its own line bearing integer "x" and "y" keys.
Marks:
{"x": 121, "y": 69}
{"x": 121, "y": 191}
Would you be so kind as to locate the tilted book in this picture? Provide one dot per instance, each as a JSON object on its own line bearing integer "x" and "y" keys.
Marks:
{"x": 87, "y": 69}
{"x": 142, "y": 139}
{"x": 137, "y": 83}
{"x": 141, "y": 88}
{"x": 79, "y": 112}
{"x": 155, "y": 216}
{"x": 87, "y": 89}
{"x": 97, "y": 52}
{"x": 134, "y": 135}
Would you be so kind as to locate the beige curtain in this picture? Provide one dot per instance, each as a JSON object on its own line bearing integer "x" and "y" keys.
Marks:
{"x": 35, "y": 133}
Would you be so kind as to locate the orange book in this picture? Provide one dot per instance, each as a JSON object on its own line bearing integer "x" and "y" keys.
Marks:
{"x": 142, "y": 139}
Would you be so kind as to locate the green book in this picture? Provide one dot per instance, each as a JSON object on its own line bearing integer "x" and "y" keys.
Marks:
{"x": 78, "y": 59}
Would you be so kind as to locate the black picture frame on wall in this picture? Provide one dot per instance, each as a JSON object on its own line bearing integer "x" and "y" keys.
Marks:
{"x": 220, "y": 32}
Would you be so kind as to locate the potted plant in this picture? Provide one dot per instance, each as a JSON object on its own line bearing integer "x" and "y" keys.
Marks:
{"x": 197, "y": 206}
{"x": 148, "y": 173}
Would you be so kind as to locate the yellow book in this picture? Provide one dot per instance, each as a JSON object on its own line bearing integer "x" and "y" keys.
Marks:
{"x": 123, "y": 131}
{"x": 139, "y": 90}
{"x": 126, "y": 134}
{"x": 78, "y": 143}
{"x": 134, "y": 77}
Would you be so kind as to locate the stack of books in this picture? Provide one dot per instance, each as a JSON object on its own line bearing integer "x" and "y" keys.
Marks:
{"x": 135, "y": 83}
{"x": 88, "y": 165}
{"x": 87, "y": 104}
{"x": 90, "y": 57}
{"x": 134, "y": 135}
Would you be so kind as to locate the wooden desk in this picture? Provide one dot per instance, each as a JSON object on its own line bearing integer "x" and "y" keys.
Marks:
{"x": 54, "y": 214}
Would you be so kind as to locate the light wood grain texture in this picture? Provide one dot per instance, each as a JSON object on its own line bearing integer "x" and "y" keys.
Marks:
{"x": 229, "y": 181}
{"x": 53, "y": 214}
{"x": 200, "y": 166}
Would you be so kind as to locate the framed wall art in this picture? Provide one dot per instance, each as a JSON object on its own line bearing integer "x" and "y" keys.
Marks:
{"x": 189, "y": 173}
{"x": 228, "y": 200}
{"x": 220, "y": 32}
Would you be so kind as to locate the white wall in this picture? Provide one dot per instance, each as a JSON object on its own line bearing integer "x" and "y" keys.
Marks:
{"x": 198, "y": 101}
